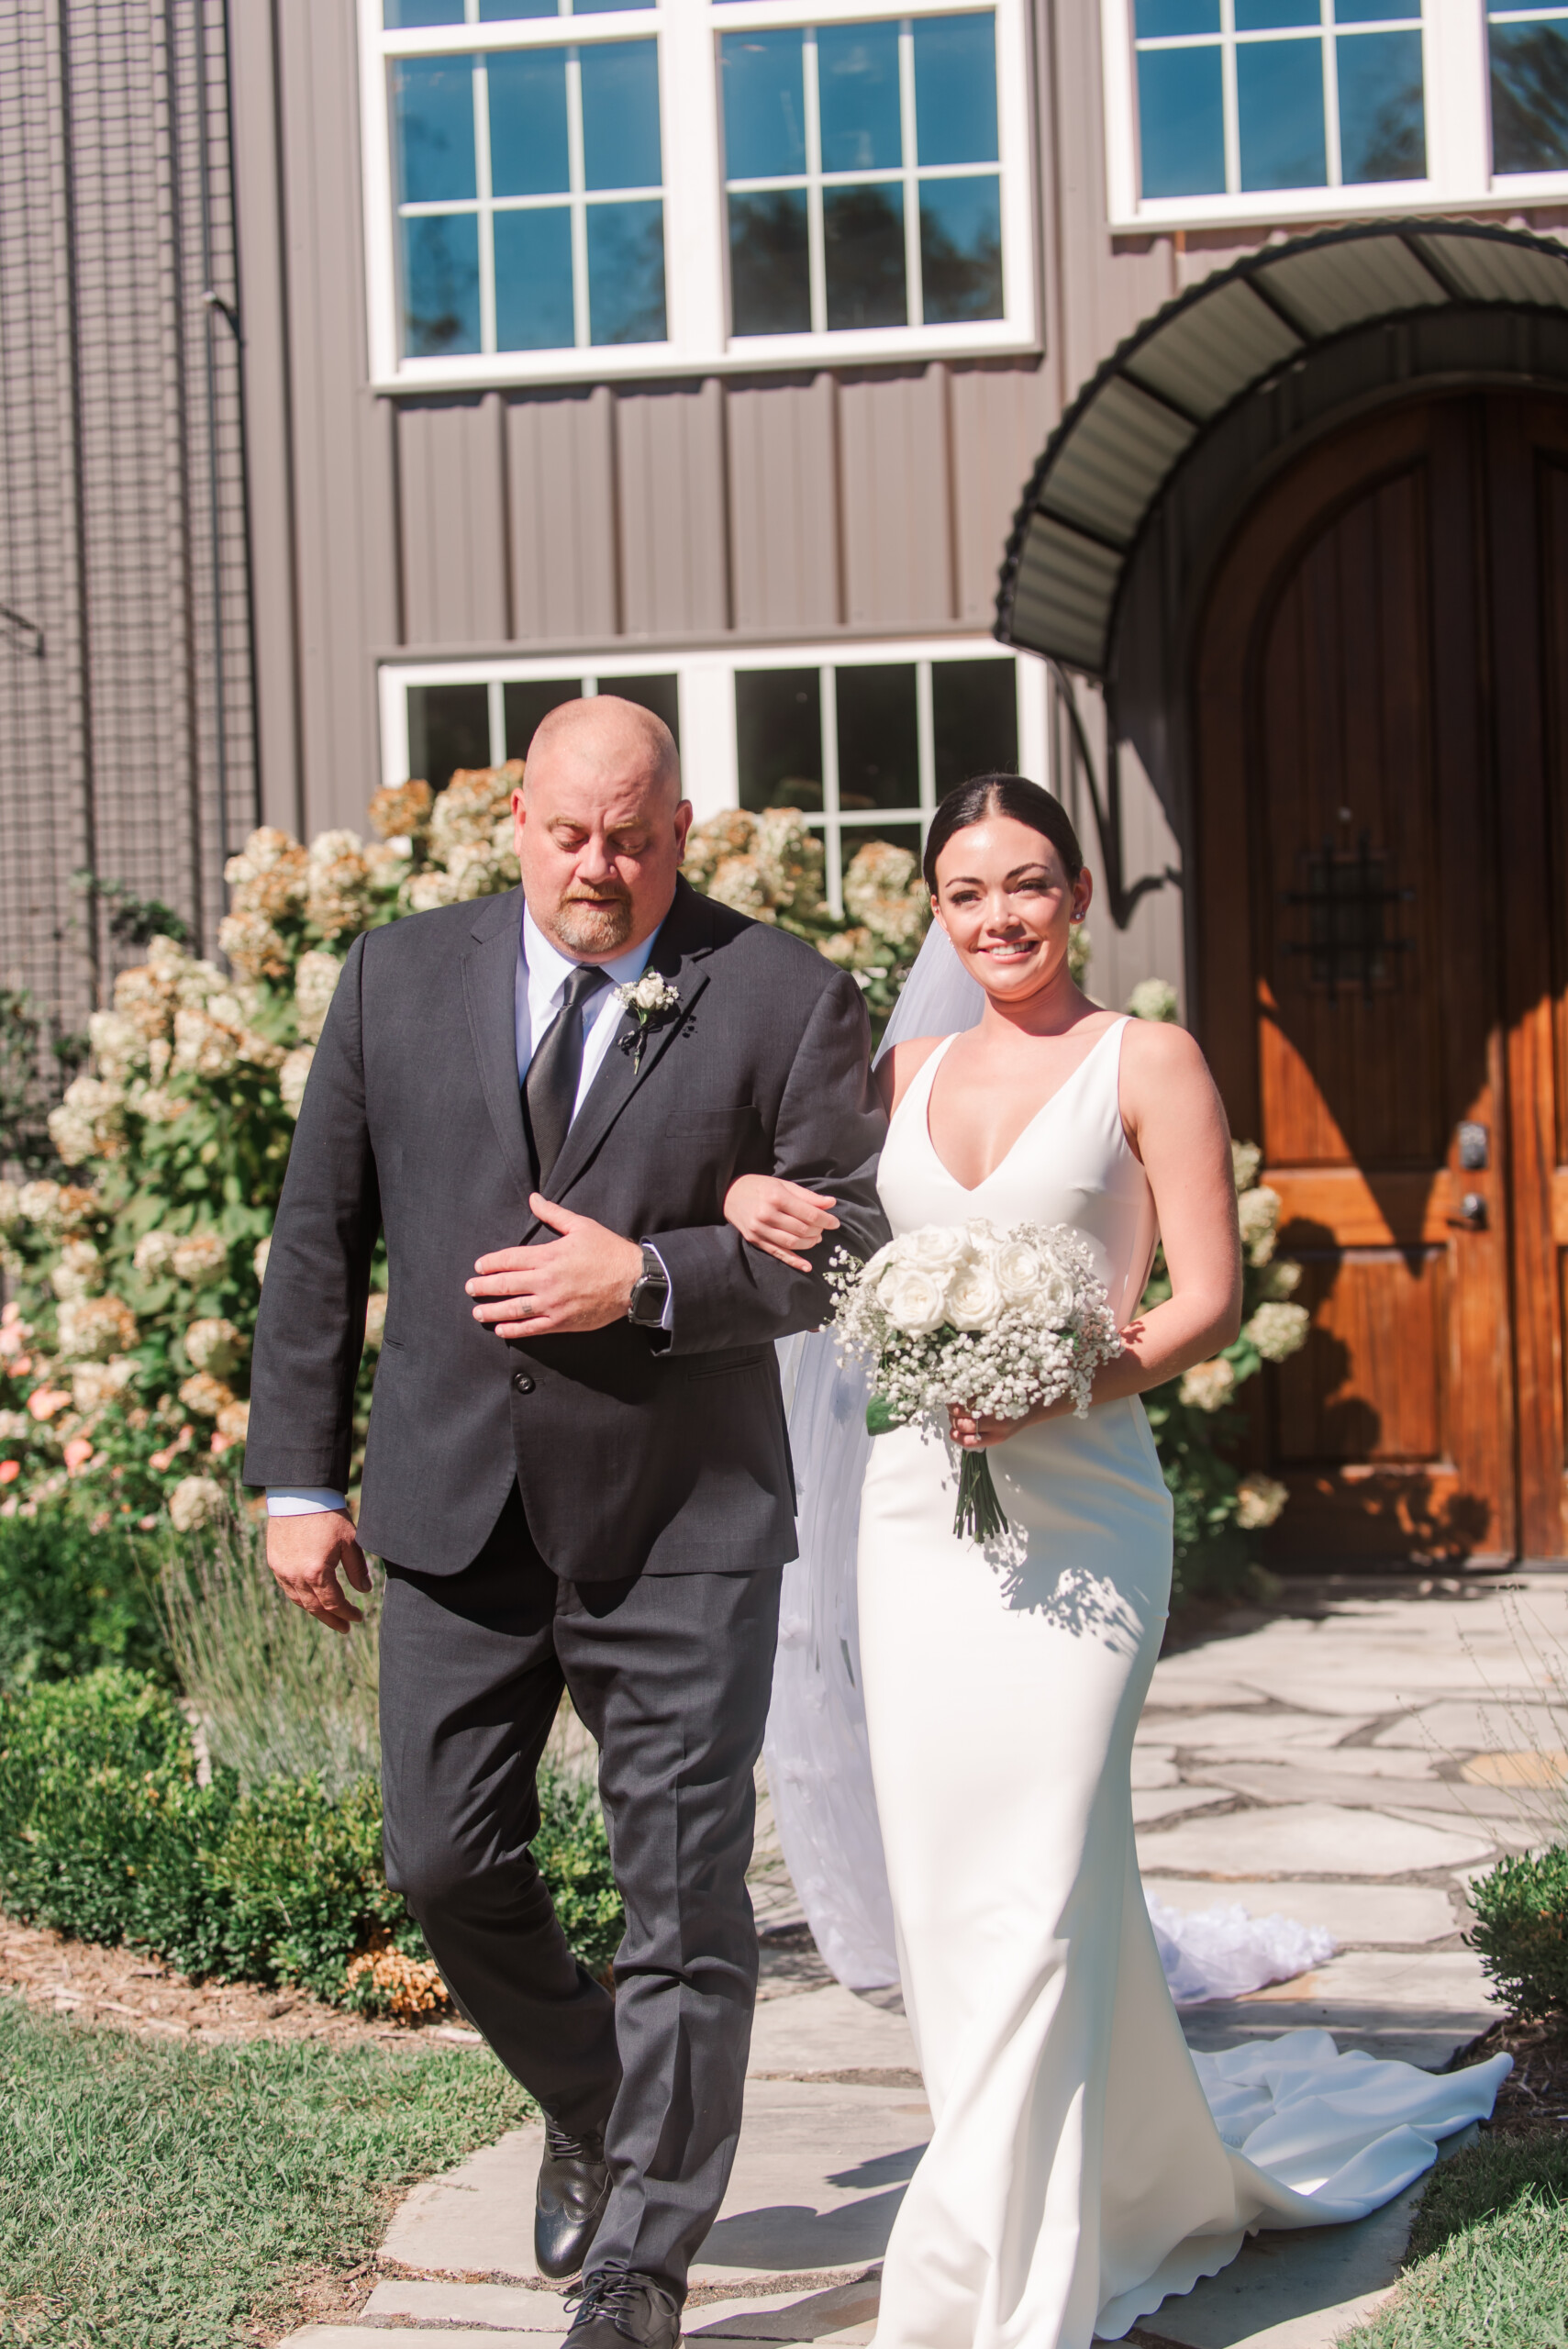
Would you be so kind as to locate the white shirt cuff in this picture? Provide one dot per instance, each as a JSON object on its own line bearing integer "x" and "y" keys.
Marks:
{"x": 667, "y": 1318}
{"x": 302, "y": 1500}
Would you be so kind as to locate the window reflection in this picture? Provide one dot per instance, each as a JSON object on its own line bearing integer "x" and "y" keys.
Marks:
{"x": 1530, "y": 93}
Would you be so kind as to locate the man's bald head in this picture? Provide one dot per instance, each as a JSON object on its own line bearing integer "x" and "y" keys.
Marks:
{"x": 600, "y": 826}
{"x": 604, "y": 734}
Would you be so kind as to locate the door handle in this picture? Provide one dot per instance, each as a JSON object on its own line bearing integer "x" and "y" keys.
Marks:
{"x": 1472, "y": 1216}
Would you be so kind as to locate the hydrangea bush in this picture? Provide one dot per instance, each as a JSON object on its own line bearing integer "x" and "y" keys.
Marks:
{"x": 133, "y": 1284}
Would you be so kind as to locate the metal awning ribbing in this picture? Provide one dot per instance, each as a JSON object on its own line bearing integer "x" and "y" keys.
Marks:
{"x": 1107, "y": 462}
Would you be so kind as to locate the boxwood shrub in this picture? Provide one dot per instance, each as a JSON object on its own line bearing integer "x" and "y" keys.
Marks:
{"x": 1521, "y": 1930}
{"x": 105, "y": 1834}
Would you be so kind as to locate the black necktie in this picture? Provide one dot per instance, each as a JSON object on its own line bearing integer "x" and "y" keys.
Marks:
{"x": 549, "y": 1088}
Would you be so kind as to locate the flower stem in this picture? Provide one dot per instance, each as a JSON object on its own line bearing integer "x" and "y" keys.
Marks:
{"x": 979, "y": 1513}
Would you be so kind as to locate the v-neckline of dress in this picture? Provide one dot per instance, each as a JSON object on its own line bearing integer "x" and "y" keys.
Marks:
{"x": 972, "y": 1190}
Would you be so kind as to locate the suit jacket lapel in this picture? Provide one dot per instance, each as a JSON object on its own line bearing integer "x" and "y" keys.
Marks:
{"x": 683, "y": 937}
{"x": 489, "y": 986}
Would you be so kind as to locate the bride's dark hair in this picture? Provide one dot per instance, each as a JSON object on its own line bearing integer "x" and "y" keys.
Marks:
{"x": 1001, "y": 794}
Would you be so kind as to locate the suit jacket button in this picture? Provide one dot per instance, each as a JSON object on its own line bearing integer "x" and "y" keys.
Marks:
{"x": 522, "y": 1382}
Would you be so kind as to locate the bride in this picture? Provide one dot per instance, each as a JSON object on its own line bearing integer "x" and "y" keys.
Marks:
{"x": 1077, "y": 2171}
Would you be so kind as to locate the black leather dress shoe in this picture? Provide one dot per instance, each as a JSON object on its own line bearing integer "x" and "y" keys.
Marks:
{"x": 573, "y": 2188}
{"x": 615, "y": 2305}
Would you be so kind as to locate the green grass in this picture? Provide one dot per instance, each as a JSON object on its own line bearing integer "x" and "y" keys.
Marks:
{"x": 152, "y": 2196}
{"x": 1488, "y": 2254}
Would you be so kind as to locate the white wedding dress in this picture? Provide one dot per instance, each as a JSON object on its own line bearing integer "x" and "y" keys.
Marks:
{"x": 1083, "y": 2162}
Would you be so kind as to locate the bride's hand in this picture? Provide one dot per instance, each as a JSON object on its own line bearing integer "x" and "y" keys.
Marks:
{"x": 974, "y": 1432}
{"x": 779, "y": 1216}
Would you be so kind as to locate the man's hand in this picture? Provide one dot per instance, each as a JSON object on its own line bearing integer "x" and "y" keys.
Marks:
{"x": 305, "y": 1553}
{"x": 582, "y": 1281}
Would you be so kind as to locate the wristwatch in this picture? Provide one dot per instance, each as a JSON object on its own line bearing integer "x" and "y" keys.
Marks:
{"x": 649, "y": 1292}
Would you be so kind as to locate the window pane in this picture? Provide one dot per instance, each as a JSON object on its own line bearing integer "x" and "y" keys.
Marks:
{"x": 1383, "y": 131}
{"x": 603, "y": 8}
{"x": 879, "y": 759}
{"x": 1279, "y": 86}
{"x": 625, "y": 272}
{"x": 401, "y": 15}
{"x": 1371, "y": 12}
{"x": 770, "y": 274}
{"x": 857, "y": 80}
{"x": 1181, "y": 122}
{"x": 764, "y": 104}
{"x": 620, "y": 114}
{"x": 528, "y": 705}
{"x": 1264, "y": 16}
{"x": 433, "y": 104}
{"x": 1529, "y": 97}
{"x": 955, "y": 89}
{"x": 659, "y": 693}
{"x": 533, "y": 280}
{"x": 496, "y": 11}
{"x": 961, "y": 250}
{"x": 449, "y": 727}
{"x": 528, "y": 122}
{"x": 974, "y": 720}
{"x": 864, "y": 237}
{"x": 1164, "y": 19}
{"x": 778, "y": 737}
{"x": 440, "y": 286}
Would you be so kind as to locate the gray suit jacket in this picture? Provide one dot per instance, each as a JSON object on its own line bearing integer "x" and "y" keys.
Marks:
{"x": 633, "y": 1453}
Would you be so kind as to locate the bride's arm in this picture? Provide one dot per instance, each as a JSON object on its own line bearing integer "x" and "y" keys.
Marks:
{"x": 1176, "y": 1123}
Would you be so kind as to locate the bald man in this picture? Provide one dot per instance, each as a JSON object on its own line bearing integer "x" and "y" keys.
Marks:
{"x": 577, "y": 1469}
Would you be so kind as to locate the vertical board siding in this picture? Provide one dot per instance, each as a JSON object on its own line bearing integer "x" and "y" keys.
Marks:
{"x": 345, "y": 481}
{"x": 122, "y": 527}
{"x": 561, "y": 471}
{"x": 673, "y": 521}
{"x": 451, "y": 476}
{"x": 896, "y": 499}
{"x": 1000, "y": 420}
{"x": 783, "y": 506}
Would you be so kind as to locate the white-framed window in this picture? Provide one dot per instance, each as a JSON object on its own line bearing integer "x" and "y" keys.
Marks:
{"x": 560, "y": 189}
{"x": 1311, "y": 110}
{"x": 864, "y": 739}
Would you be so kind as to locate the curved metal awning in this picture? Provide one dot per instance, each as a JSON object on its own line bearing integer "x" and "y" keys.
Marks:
{"x": 1111, "y": 457}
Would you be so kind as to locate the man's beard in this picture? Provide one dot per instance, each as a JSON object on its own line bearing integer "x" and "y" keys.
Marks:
{"x": 593, "y": 926}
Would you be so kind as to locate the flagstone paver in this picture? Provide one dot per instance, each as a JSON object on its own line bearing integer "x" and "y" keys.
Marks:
{"x": 1325, "y": 1759}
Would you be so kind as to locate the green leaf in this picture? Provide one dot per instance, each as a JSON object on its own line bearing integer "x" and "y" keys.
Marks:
{"x": 880, "y": 1417}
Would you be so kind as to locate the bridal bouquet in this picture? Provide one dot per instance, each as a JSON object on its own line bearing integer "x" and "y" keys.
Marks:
{"x": 994, "y": 1321}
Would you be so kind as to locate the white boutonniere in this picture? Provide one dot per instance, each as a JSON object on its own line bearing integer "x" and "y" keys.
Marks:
{"x": 648, "y": 999}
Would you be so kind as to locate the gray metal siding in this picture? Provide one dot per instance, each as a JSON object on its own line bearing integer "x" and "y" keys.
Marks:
{"x": 560, "y": 476}
{"x": 126, "y": 742}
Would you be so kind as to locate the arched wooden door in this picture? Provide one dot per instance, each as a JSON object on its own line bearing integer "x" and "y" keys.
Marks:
{"x": 1380, "y": 918}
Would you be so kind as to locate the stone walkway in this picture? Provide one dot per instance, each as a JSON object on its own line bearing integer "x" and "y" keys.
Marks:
{"x": 1343, "y": 1763}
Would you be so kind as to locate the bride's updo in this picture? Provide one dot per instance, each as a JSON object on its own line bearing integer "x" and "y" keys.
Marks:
{"x": 1001, "y": 794}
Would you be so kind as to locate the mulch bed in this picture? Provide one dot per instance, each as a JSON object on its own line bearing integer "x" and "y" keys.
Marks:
{"x": 1535, "y": 2094}
{"x": 126, "y": 1990}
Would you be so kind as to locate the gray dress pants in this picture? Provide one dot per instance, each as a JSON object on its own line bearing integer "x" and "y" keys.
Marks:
{"x": 671, "y": 1674}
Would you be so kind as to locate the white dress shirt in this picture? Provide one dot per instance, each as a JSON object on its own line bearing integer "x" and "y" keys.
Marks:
{"x": 540, "y": 983}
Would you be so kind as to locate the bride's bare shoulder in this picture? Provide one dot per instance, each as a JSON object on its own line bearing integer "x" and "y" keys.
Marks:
{"x": 901, "y": 1066}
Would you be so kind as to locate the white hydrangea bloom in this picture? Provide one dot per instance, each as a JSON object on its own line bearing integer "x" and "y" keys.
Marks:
{"x": 98, "y": 1383}
{"x": 428, "y": 890}
{"x": 89, "y": 1122}
{"x": 120, "y": 1046}
{"x": 1208, "y": 1385}
{"x": 93, "y": 1329}
{"x": 1153, "y": 1000}
{"x": 35, "y": 1202}
{"x": 1259, "y": 1212}
{"x": 1278, "y": 1330}
{"x": 195, "y": 1502}
{"x": 1259, "y": 1500}
{"x": 1245, "y": 1159}
{"x": 78, "y": 1271}
{"x": 264, "y": 1249}
{"x": 154, "y": 1253}
{"x": 314, "y": 984}
{"x": 199, "y": 1256}
{"x": 205, "y": 1046}
{"x": 216, "y": 1345}
{"x": 292, "y": 1077}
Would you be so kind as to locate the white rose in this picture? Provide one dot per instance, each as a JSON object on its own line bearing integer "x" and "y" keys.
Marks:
{"x": 973, "y": 1298}
{"x": 1054, "y": 1299}
{"x": 1018, "y": 1271}
{"x": 981, "y": 1231}
{"x": 938, "y": 1247}
{"x": 878, "y": 1264}
{"x": 911, "y": 1299}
